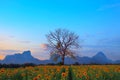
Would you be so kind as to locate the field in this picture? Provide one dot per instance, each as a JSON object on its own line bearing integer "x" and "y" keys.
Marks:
{"x": 82, "y": 72}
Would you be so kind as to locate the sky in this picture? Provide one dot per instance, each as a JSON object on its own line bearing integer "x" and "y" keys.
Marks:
{"x": 24, "y": 24}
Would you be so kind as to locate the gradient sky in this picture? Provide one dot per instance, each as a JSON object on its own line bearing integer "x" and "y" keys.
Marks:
{"x": 24, "y": 24}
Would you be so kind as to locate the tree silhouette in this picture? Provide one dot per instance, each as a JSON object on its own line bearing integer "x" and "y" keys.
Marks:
{"x": 62, "y": 42}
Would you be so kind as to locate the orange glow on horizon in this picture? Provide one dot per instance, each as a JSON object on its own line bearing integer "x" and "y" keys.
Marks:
{"x": 1, "y": 57}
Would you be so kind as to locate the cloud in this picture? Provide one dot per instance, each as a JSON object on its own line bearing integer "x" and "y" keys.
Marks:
{"x": 111, "y": 42}
{"x": 110, "y": 47}
{"x": 25, "y": 42}
{"x": 3, "y": 53}
{"x": 6, "y": 37}
{"x": 44, "y": 46}
{"x": 11, "y": 36}
{"x": 109, "y": 6}
{"x": 41, "y": 52}
{"x": 42, "y": 55}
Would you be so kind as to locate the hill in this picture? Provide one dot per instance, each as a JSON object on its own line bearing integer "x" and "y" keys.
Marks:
{"x": 26, "y": 57}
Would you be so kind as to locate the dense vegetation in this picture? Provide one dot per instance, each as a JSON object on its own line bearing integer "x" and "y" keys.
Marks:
{"x": 83, "y": 72}
{"x": 16, "y": 65}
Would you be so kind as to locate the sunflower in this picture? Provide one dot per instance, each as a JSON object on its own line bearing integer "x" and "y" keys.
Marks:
{"x": 64, "y": 74}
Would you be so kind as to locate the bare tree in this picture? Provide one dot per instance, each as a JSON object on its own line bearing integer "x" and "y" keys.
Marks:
{"x": 62, "y": 42}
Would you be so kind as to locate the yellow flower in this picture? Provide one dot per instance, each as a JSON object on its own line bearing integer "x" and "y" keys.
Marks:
{"x": 23, "y": 74}
{"x": 47, "y": 77}
{"x": 97, "y": 75}
{"x": 39, "y": 75}
{"x": 64, "y": 74}
{"x": 84, "y": 73}
{"x": 35, "y": 78}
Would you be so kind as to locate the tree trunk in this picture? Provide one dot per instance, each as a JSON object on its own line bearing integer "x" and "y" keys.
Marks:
{"x": 63, "y": 57}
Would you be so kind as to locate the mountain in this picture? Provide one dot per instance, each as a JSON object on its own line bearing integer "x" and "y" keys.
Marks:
{"x": 18, "y": 58}
{"x": 117, "y": 62}
{"x": 26, "y": 57}
{"x": 100, "y": 58}
{"x": 80, "y": 60}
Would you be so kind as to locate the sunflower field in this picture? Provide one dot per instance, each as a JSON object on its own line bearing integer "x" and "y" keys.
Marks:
{"x": 81, "y": 72}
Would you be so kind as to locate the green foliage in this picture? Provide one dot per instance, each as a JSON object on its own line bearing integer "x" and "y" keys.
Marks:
{"x": 70, "y": 74}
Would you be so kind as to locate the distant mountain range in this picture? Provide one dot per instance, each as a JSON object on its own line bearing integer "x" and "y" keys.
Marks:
{"x": 26, "y": 57}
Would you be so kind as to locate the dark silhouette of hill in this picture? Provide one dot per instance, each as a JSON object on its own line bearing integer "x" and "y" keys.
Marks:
{"x": 101, "y": 58}
{"x": 26, "y": 57}
{"x": 18, "y": 58}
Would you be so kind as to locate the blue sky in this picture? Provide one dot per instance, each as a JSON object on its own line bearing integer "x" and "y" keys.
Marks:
{"x": 24, "y": 24}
